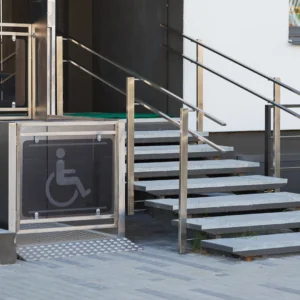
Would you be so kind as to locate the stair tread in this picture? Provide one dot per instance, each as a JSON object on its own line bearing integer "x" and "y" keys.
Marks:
{"x": 173, "y": 151}
{"x": 216, "y": 184}
{"x": 245, "y": 223}
{"x": 283, "y": 243}
{"x": 199, "y": 167}
{"x": 230, "y": 203}
{"x": 161, "y": 133}
{"x": 154, "y": 120}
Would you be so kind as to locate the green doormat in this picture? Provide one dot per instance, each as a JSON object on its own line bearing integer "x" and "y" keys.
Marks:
{"x": 100, "y": 115}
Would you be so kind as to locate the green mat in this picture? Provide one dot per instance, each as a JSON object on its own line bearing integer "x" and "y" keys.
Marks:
{"x": 100, "y": 115}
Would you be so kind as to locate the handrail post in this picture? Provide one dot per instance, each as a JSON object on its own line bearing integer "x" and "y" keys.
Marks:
{"x": 59, "y": 76}
{"x": 183, "y": 179}
{"x": 200, "y": 60}
{"x": 268, "y": 140}
{"x": 276, "y": 131}
{"x": 130, "y": 96}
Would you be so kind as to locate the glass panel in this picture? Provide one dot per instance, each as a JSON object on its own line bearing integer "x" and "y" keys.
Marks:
{"x": 13, "y": 71}
{"x": 67, "y": 177}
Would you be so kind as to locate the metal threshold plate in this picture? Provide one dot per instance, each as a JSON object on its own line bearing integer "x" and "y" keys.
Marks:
{"x": 76, "y": 248}
{"x": 51, "y": 245}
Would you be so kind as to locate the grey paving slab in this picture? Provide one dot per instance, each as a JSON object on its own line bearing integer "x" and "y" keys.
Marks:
{"x": 204, "y": 167}
{"x": 257, "y": 245}
{"x": 245, "y": 223}
{"x": 161, "y": 136}
{"x": 216, "y": 184}
{"x": 173, "y": 151}
{"x": 230, "y": 203}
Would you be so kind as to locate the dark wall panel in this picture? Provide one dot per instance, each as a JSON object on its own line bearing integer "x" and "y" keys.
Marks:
{"x": 128, "y": 32}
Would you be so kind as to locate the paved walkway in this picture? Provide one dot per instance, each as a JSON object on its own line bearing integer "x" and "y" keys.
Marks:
{"x": 157, "y": 272}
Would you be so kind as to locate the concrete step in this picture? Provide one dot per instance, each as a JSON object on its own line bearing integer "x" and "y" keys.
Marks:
{"x": 161, "y": 136}
{"x": 173, "y": 152}
{"x": 272, "y": 244}
{"x": 211, "y": 185}
{"x": 204, "y": 167}
{"x": 232, "y": 203}
{"x": 245, "y": 223}
{"x": 144, "y": 124}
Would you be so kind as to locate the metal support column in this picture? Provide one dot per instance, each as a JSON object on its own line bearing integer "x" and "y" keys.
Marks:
{"x": 276, "y": 131}
{"x": 268, "y": 141}
{"x": 200, "y": 116}
{"x": 183, "y": 179}
{"x": 60, "y": 76}
{"x": 130, "y": 95}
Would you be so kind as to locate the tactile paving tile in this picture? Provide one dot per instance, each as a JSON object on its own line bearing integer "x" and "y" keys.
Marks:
{"x": 77, "y": 248}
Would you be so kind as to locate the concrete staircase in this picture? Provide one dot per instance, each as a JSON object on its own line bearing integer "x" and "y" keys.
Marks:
{"x": 227, "y": 202}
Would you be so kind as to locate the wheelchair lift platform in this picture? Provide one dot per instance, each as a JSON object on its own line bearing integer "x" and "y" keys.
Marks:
{"x": 65, "y": 185}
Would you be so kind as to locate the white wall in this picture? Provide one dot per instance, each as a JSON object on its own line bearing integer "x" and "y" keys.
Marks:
{"x": 254, "y": 32}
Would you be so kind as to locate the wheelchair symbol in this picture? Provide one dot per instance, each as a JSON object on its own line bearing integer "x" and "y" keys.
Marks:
{"x": 63, "y": 180}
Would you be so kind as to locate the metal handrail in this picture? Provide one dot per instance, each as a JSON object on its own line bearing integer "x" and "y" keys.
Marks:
{"x": 8, "y": 57}
{"x": 148, "y": 82}
{"x": 147, "y": 106}
{"x": 232, "y": 81}
{"x": 8, "y": 78}
{"x": 293, "y": 90}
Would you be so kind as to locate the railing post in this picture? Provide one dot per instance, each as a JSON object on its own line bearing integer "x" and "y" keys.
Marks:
{"x": 130, "y": 95}
{"x": 59, "y": 76}
{"x": 200, "y": 116}
{"x": 268, "y": 140}
{"x": 183, "y": 179}
{"x": 276, "y": 131}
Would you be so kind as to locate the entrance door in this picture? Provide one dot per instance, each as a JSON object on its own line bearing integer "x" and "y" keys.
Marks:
{"x": 128, "y": 33}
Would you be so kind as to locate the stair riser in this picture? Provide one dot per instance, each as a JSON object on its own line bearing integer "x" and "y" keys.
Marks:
{"x": 245, "y": 229}
{"x": 175, "y": 173}
{"x": 173, "y": 192}
{"x": 229, "y": 209}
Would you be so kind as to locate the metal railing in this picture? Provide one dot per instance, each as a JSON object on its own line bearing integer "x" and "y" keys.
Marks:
{"x": 270, "y": 158}
{"x": 272, "y": 137}
{"x": 130, "y": 104}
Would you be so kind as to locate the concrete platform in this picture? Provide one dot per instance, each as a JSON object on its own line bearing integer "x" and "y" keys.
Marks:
{"x": 232, "y": 203}
{"x": 173, "y": 152}
{"x": 204, "y": 167}
{"x": 215, "y": 185}
{"x": 272, "y": 244}
{"x": 245, "y": 223}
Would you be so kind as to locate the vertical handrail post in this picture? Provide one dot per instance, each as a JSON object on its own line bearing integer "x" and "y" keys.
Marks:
{"x": 268, "y": 140}
{"x": 276, "y": 131}
{"x": 130, "y": 95}
{"x": 60, "y": 76}
{"x": 183, "y": 179}
{"x": 200, "y": 117}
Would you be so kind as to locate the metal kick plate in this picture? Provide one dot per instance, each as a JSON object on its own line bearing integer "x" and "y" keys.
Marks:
{"x": 76, "y": 248}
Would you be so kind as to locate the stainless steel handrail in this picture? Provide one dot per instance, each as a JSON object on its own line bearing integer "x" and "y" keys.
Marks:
{"x": 232, "y": 81}
{"x": 8, "y": 78}
{"x": 293, "y": 90}
{"x": 148, "y": 82}
{"x": 8, "y": 58}
{"x": 147, "y": 106}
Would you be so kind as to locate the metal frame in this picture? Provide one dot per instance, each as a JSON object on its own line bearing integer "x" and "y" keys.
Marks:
{"x": 273, "y": 141}
{"x": 21, "y": 130}
{"x": 183, "y": 180}
{"x": 29, "y": 69}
